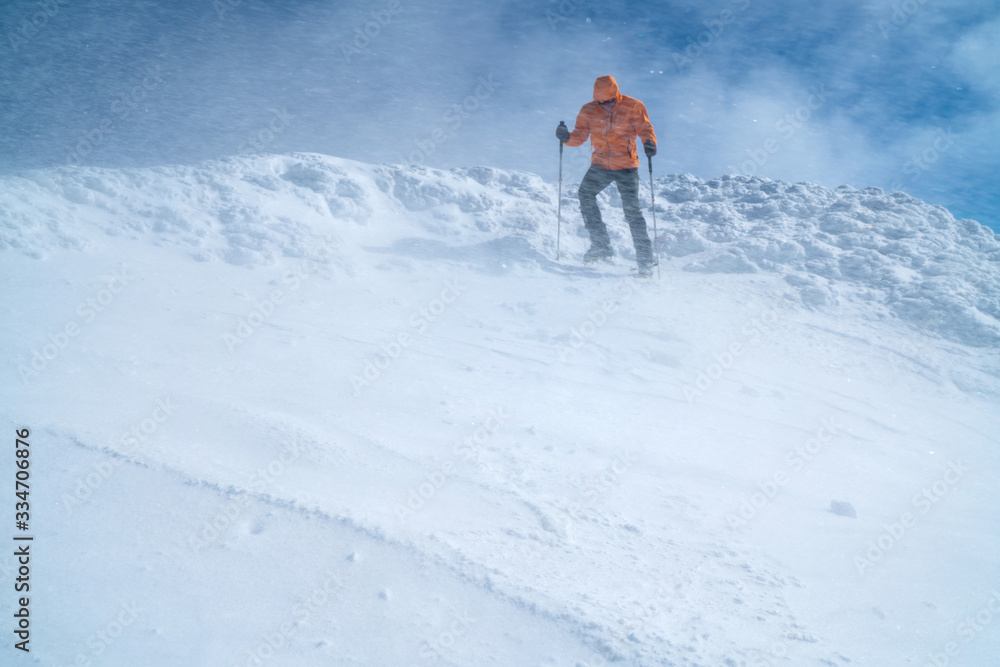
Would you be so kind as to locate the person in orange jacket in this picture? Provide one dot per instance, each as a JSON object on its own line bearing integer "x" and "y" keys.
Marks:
{"x": 612, "y": 121}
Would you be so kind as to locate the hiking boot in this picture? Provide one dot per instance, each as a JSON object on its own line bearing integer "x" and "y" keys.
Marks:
{"x": 596, "y": 253}
{"x": 646, "y": 268}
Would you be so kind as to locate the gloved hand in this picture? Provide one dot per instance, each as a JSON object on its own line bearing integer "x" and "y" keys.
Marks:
{"x": 562, "y": 132}
{"x": 650, "y": 148}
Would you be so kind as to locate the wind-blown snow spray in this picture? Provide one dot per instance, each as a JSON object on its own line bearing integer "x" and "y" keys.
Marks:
{"x": 902, "y": 12}
{"x": 452, "y": 120}
{"x": 922, "y": 162}
{"x": 565, "y": 10}
{"x": 258, "y": 140}
{"x": 121, "y": 108}
{"x": 704, "y": 39}
{"x": 33, "y": 23}
{"x": 786, "y": 128}
{"x": 364, "y": 34}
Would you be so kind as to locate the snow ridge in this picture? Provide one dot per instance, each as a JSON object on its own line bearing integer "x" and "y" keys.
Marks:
{"x": 894, "y": 251}
{"x": 900, "y": 256}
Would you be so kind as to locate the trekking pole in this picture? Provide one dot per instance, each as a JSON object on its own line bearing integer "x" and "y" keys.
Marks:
{"x": 656, "y": 238}
{"x": 559, "y": 205}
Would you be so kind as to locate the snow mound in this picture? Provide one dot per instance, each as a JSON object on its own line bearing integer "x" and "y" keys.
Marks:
{"x": 252, "y": 211}
{"x": 897, "y": 254}
{"x": 894, "y": 251}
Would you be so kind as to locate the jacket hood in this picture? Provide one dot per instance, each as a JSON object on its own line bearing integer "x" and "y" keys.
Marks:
{"x": 605, "y": 88}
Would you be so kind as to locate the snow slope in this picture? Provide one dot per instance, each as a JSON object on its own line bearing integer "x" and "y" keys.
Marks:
{"x": 298, "y": 410}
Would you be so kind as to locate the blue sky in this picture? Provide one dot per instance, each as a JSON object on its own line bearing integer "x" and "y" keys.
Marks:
{"x": 899, "y": 95}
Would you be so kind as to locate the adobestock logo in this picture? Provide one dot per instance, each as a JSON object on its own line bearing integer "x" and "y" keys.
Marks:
{"x": 786, "y": 128}
{"x": 902, "y": 12}
{"x": 394, "y": 348}
{"x": 363, "y": 35}
{"x": 968, "y": 631}
{"x": 894, "y": 532}
{"x": 452, "y": 120}
{"x": 87, "y": 310}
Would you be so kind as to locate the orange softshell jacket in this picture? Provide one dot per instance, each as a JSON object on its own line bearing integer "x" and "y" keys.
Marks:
{"x": 612, "y": 133}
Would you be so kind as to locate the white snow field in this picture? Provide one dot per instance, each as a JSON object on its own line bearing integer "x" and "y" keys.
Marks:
{"x": 298, "y": 410}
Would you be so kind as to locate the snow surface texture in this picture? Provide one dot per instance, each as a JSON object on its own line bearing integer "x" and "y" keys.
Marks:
{"x": 374, "y": 422}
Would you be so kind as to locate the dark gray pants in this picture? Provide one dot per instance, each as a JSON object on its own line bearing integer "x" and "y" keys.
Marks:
{"x": 627, "y": 180}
